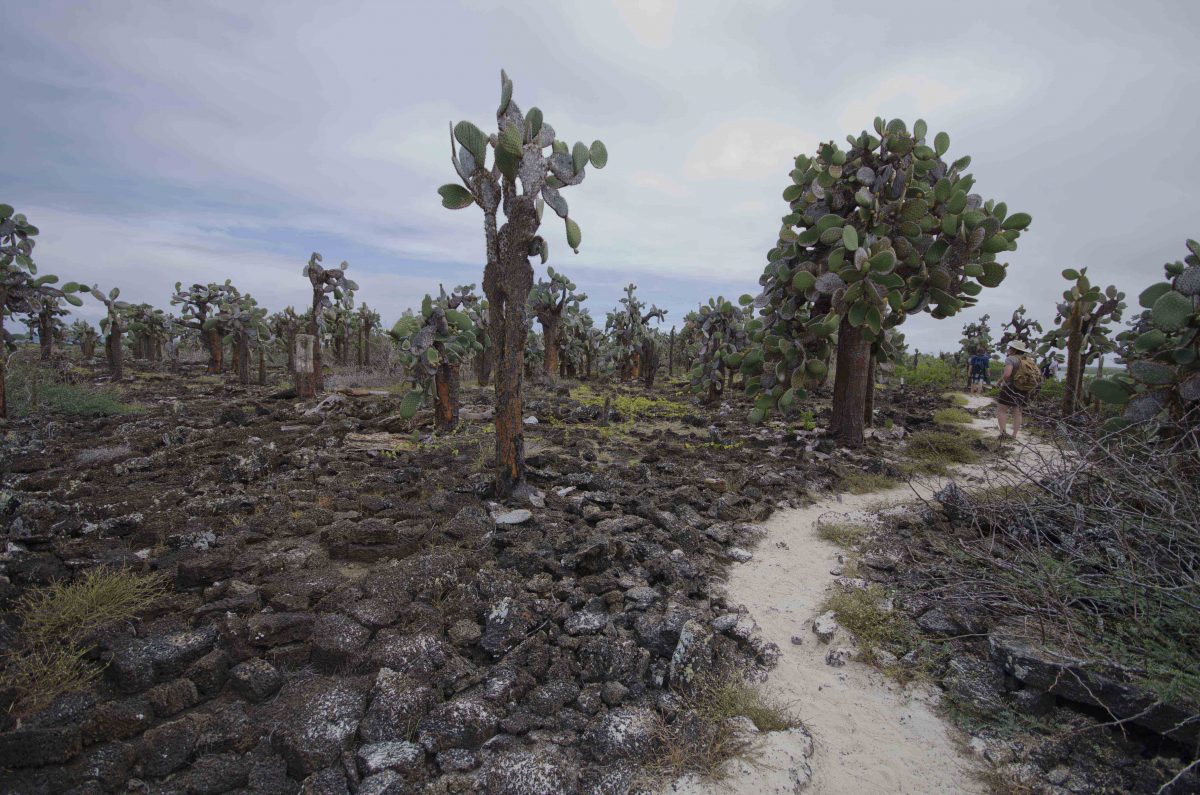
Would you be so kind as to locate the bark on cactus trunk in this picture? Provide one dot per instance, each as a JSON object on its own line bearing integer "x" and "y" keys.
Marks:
{"x": 483, "y": 367}
{"x": 87, "y": 347}
{"x": 262, "y": 367}
{"x": 1074, "y": 377}
{"x": 850, "y": 385}
{"x": 216, "y": 351}
{"x": 241, "y": 355}
{"x": 869, "y": 404}
{"x": 112, "y": 350}
{"x": 305, "y": 366}
{"x": 46, "y": 336}
{"x": 507, "y": 280}
{"x": 445, "y": 397}
{"x": 550, "y": 328}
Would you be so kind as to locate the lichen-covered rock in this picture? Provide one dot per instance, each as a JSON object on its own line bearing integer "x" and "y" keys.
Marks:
{"x": 396, "y": 705}
{"x": 35, "y": 747}
{"x": 693, "y": 653}
{"x": 623, "y": 733}
{"x": 278, "y": 629}
{"x": 170, "y": 698}
{"x": 405, "y": 758}
{"x": 337, "y": 642}
{"x": 255, "y": 680}
{"x": 330, "y": 781}
{"x": 463, "y": 723}
{"x": 168, "y": 747}
{"x": 542, "y": 771}
{"x": 318, "y": 717}
{"x": 140, "y": 663}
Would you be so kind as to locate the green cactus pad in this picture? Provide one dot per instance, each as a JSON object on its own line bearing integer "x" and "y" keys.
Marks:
{"x": 455, "y": 197}
{"x": 993, "y": 274}
{"x": 472, "y": 139}
{"x": 941, "y": 143}
{"x": 1188, "y": 282}
{"x": 1152, "y": 373}
{"x": 850, "y": 238}
{"x": 1109, "y": 390}
{"x": 1153, "y": 293}
{"x": 1018, "y": 221}
{"x": 1171, "y": 311}
{"x": 410, "y": 404}
{"x": 598, "y": 153}
{"x": 1150, "y": 341}
{"x": 574, "y": 235}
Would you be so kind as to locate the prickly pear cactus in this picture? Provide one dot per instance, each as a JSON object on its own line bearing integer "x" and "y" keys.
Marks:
{"x": 719, "y": 331}
{"x": 548, "y": 301}
{"x": 1161, "y": 351}
{"x": 441, "y": 337}
{"x": 1020, "y": 329}
{"x": 1082, "y": 329}
{"x": 875, "y": 232}
{"x": 629, "y": 328}
{"x": 977, "y": 335}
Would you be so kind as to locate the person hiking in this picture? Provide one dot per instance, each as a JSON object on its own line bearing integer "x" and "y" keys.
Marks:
{"x": 978, "y": 373}
{"x": 1050, "y": 368}
{"x": 1020, "y": 380}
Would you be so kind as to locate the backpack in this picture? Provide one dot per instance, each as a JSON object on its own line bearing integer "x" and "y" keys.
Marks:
{"x": 1026, "y": 377}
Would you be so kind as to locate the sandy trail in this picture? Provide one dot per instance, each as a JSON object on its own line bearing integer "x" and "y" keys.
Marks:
{"x": 870, "y": 734}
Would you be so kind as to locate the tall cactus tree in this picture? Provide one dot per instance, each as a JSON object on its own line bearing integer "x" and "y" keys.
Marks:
{"x": 976, "y": 335}
{"x": 245, "y": 323}
{"x": 875, "y": 233}
{"x": 1082, "y": 317}
{"x": 366, "y": 321}
{"x": 82, "y": 334}
{"x": 329, "y": 285}
{"x": 519, "y": 152}
{"x": 548, "y": 301}
{"x": 284, "y": 326}
{"x": 48, "y": 312}
{"x": 113, "y": 326}
{"x": 200, "y": 301}
{"x": 629, "y": 327}
{"x": 1020, "y": 329}
{"x": 22, "y": 291}
{"x": 432, "y": 350}
{"x": 719, "y": 330}
{"x": 1162, "y": 354}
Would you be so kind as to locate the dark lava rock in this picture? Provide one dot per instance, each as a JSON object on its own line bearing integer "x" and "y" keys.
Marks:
{"x": 255, "y": 680}
{"x": 138, "y": 664}
{"x": 216, "y": 774}
{"x": 547, "y": 771}
{"x": 278, "y": 629}
{"x": 35, "y": 747}
{"x": 396, "y": 707}
{"x": 170, "y": 698}
{"x": 337, "y": 642}
{"x": 318, "y": 717}
{"x": 463, "y": 723}
{"x": 210, "y": 672}
{"x": 977, "y": 682}
{"x": 405, "y": 758}
{"x": 116, "y": 720}
{"x": 330, "y": 781}
{"x": 623, "y": 733}
{"x": 168, "y": 747}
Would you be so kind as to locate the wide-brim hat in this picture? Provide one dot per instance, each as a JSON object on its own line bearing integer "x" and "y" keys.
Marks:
{"x": 1017, "y": 345}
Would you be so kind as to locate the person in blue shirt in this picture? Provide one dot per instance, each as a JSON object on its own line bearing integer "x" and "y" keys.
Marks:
{"x": 978, "y": 373}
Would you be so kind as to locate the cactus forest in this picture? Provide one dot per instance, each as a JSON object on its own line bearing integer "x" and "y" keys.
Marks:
{"x": 833, "y": 459}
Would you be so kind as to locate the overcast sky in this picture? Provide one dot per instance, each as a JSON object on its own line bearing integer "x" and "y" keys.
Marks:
{"x": 198, "y": 141}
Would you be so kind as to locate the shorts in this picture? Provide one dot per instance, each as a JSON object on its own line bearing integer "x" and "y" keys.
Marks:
{"x": 979, "y": 378}
{"x": 1011, "y": 397}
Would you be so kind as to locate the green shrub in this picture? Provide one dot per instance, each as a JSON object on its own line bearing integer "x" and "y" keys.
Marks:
{"x": 32, "y": 389}
{"x": 930, "y": 371}
{"x": 953, "y": 416}
{"x": 933, "y": 452}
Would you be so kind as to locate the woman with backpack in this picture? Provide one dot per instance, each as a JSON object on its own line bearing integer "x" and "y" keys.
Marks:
{"x": 1020, "y": 380}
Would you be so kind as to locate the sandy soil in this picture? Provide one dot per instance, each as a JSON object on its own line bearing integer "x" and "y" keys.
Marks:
{"x": 870, "y": 735}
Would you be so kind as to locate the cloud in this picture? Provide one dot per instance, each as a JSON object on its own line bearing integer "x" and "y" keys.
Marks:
{"x": 651, "y": 22}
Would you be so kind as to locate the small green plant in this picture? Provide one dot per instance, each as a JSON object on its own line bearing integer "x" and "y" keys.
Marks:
{"x": 712, "y": 738}
{"x": 952, "y": 416}
{"x": 844, "y": 534}
{"x": 57, "y": 621}
{"x": 957, "y": 399}
{"x": 933, "y": 452}
{"x": 32, "y": 389}
{"x": 929, "y": 371}
{"x": 865, "y": 614}
{"x": 867, "y": 482}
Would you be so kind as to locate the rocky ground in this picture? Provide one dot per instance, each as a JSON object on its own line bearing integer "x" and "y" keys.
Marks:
{"x": 346, "y": 610}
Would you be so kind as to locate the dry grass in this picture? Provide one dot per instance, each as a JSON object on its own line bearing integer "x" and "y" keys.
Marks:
{"x": 844, "y": 534}
{"x": 874, "y": 626}
{"x": 954, "y": 416}
{"x": 706, "y": 735}
{"x": 934, "y": 452}
{"x": 956, "y": 399}
{"x": 56, "y": 623}
{"x": 866, "y": 482}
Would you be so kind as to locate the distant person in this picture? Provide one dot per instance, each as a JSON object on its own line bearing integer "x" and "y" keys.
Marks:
{"x": 1019, "y": 382}
{"x": 1050, "y": 368}
{"x": 978, "y": 373}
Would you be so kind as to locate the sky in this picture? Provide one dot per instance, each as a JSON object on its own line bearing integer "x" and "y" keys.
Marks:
{"x": 198, "y": 141}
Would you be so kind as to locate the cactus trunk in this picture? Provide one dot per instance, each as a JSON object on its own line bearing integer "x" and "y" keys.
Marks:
{"x": 869, "y": 404}
{"x": 550, "y": 331}
{"x": 1074, "y": 379}
{"x": 507, "y": 280}
{"x": 305, "y": 366}
{"x": 262, "y": 367}
{"x": 3, "y": 359}
{"x": 241, "y": 355}
{"x": 112, "y": 349}
{"x": 850, "y": 385}
{"x": 483, "y": 367}
{"x": 87, "y": 348}
{"x": 216, "y": 351}
{"x": 46, "y": 335}
{"x": 445, "y": 392}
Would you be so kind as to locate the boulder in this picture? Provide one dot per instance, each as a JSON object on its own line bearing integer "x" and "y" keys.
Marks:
{"x": 141, "y": 663}
{"x": 541, "y": 771}
{"x": 466, "y": 722}
{"x": 396, "y": 705}
{"x": 255, "y": 680}
{"x": 405, "y": 758}
{"x": 317, "y": 720}
{"x": 623, "y": 733}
